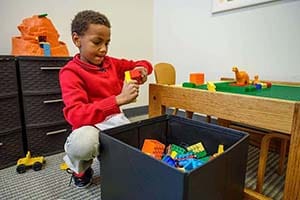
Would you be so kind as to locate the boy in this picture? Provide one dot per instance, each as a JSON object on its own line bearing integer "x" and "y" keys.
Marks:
{"x": 93, "y": 90}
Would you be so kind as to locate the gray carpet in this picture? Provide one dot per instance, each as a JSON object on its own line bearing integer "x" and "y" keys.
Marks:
{"x": 49, "y": 183}
{"x": 53, "y": 183}
{"x": 274, "y": 183}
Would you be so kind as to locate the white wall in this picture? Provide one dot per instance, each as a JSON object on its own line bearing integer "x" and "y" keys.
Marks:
{"x": 132, "y": 26}
{"x": 263, "y": 39}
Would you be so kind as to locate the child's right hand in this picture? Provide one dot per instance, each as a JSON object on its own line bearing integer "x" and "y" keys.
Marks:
{"x": 129, "y": 93}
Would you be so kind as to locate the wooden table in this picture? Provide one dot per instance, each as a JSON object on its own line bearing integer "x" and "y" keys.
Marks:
{"x": 269, "y": 113}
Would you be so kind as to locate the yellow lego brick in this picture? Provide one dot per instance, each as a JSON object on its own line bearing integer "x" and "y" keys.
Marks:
{"x": 196, "y": 147}
{"x": 127, "y": 76}
{"x": 173, "y": 154}
{"x": 220, "y": 148}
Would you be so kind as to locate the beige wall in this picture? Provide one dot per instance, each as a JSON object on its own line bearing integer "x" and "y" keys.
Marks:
{"x": 132, "y": 25}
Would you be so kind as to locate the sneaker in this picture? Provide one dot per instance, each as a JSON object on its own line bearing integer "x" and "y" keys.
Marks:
{"x": 82, "y": 181}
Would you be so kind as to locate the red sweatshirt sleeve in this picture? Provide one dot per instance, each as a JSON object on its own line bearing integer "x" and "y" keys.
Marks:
{"x": 79, "y": 110}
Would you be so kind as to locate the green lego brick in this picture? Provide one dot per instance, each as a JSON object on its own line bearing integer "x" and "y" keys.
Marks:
{"x": 205, "y": 159}
{"x": 250, "y": 88}
{"x": 202, "y": 86}
{"x": 200, "y": 154}
{"x": 188, "y": 85}
{"x": 179, "y": 150}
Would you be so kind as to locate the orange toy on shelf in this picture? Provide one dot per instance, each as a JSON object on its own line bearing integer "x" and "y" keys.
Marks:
{"x": 39, "y": 37}
{"x": 242, "y": 77}
{"x": 197, "y": 78}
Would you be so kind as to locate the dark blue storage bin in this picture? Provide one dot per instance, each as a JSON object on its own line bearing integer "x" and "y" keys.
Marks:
{"x": 129, "y": 174}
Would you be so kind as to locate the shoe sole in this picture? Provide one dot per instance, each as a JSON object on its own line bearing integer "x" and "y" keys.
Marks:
{"x": 83, "y": 187}
{"x": 87, "y": 185}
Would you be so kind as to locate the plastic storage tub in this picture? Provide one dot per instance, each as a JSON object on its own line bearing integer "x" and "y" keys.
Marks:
{"x": 129, "y": 174}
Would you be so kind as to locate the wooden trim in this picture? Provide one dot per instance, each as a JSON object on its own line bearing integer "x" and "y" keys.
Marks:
{"x": 252, "y": 195}
{"x": 245, "y": 109}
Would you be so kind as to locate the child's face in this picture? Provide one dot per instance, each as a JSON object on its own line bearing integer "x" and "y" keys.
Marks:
{"x": 93, "y": 45}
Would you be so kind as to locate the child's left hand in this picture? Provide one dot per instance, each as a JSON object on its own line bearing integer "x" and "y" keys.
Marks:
{"x": 144, "y": 74}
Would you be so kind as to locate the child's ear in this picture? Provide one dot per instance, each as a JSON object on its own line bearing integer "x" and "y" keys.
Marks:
{"x": 76, "y": 39}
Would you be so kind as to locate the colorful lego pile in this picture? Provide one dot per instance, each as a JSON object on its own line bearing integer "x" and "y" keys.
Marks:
{"x": 184, "y": 158}
{"x": 241, "y": 83}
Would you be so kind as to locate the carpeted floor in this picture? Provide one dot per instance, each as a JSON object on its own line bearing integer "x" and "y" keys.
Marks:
{"x": 274, "y": 184}
{"x": 53, "y": 183}
{"x": 49, "y": 183}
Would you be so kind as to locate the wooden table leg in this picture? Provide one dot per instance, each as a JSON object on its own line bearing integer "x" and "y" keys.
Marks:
{"x": 282, "y": 155}
{"x": 292, "y": 180}
{"x": 208, "y": 119}
{"x": 189, "y": 114}
{"x": 223, "y": 122}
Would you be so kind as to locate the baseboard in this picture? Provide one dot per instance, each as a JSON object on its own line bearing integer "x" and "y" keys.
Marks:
{"x": 143, "y": 110}
{"x": 136, "y": 111}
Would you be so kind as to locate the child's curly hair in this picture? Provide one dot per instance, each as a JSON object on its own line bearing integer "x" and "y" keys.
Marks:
{"x": 83, "y": 19}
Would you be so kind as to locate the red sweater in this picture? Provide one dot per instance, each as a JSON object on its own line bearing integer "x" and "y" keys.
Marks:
{"x": 89, "y": 92}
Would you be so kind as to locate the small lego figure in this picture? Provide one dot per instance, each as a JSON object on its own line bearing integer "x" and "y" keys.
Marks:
{"x": 46, "y": 47}
{"x": 256, "y": 80}
{"x": 211, "y": 86}
{"x": 220, "y": 150}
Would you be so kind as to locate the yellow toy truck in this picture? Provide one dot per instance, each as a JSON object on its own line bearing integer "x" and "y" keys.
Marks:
{"x": 28, "y": 161}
